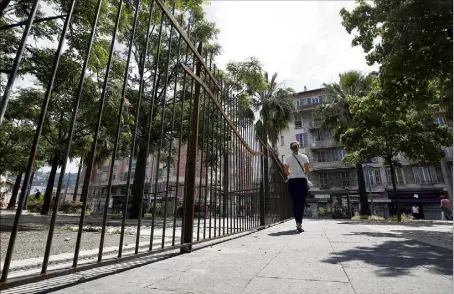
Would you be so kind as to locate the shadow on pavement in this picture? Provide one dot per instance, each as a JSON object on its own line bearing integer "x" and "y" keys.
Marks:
{"x": 393, "y": 258}
{"x": 283, "y": 233}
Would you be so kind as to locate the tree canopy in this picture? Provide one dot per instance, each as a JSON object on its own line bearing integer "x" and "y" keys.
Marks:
{"x": 412, "y": 43}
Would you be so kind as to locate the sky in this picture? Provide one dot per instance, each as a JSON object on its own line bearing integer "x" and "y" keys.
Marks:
{"x": 303, "y": 41}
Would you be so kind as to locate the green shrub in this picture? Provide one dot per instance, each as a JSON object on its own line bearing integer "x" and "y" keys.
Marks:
{"x": 35, "y": 205}
{"x": 158, "y": 208}
{"x": 71, "y": 206}
{"x": 368, "y": 217}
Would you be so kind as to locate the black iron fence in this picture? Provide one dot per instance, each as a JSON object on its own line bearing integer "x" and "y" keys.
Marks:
{"x": 135, "y": 82}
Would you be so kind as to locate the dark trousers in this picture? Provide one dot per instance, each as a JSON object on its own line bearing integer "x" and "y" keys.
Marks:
{"x": 297, "y": 189}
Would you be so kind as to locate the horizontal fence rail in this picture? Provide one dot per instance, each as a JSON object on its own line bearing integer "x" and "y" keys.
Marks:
{"x": 168, "y": 155}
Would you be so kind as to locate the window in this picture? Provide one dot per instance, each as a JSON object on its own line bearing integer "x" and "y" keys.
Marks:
{"x": 297, "y": 102}
{"x": 282, "y": 140}
{"x": 324, "y": 156}
{"x": 440, "y": 120}
{"x": 302, "y": 139}
{"x": 345, "y": 179}
{"x": 372, "y": 176}
{"x": 399, "y": 175}
{"x": 339, "y": 154}
{"x": 425, "y": 175}
{"x": 323, "y": 180}
{"x": 283, "y": 156}
{"x": 134, "y": 162}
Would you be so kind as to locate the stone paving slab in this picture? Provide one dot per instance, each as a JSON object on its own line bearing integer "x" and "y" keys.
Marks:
{"x": 330, "y": 257}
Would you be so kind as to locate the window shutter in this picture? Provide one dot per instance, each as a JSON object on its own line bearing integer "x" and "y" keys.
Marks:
{"x": 305, "y": 140}
{"x": 388, "y": 175}
{"x": 417, "y": 174}
{"x": 433, "y": 174}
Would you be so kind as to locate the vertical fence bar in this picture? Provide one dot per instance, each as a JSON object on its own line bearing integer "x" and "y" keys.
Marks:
{"x": 68, "y": 145}
{"x": 183, "y": 96}
{"x": 150, "y": 125}
{"x": 163, "y": 116}
{"x": 31, "y": 159}
{"x": 169, "y": 155}
{"x": 191, "y": 163}
{"x": 118, "y": 130}
{"x": 91, "y": 157}
{"x": 17, "y": 60}
{"x": 191, "y": 102}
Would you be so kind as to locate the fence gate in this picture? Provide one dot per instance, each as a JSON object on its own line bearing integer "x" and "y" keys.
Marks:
{"x": 170, "y": 153}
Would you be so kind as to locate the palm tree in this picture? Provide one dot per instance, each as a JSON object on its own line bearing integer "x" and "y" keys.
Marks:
{"x": 276, "y": 109}
{"x": 338, "y": 118}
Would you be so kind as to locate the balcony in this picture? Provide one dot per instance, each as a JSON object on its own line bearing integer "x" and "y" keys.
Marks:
{"x": 307, "y": 106}
{"x": 334, "y": 183}
{"x": 434, "y": 180}
{"x": 329, "y": 165}
{"x": 330, "y": 143}
{"x": 313, "y": 125}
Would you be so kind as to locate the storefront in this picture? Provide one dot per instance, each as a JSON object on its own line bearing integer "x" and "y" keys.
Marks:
{"x": 428, "y": 202}
{"x": 379, "y": 204}
{"x": 327, "y": 206}
{"x": 318, "y": 206}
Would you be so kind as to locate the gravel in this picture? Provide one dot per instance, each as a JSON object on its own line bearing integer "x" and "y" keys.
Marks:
{"x": 31, "y": 244}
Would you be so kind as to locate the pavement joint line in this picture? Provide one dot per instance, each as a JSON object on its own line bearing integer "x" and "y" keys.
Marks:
{"x": 337, "y": 257}
{"x": 303, "y": 279}
{"x": 277, "y": 254}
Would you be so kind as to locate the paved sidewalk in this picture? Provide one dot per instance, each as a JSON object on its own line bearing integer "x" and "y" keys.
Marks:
{"x": 330, "y": 257}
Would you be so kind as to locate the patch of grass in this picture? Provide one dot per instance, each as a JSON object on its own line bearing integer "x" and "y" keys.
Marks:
{"x": 368, "y": 217}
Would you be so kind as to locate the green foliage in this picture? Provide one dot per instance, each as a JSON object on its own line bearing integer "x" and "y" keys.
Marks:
{"x": 71, "y": 206}
{"x": 384, "y": 128}
{"x": 412, "y": 41}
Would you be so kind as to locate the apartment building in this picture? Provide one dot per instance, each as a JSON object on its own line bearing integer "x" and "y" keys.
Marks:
{"x": 334, "y": 180}
{"x": 170, "y": 180}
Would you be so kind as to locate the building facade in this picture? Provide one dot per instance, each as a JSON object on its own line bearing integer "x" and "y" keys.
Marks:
{"x": 335, "y": 184}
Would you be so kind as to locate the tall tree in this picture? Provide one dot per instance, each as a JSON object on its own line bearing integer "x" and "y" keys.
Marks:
{"x": 338, "y": 118}
{"x": 385, "y": 128}
{"x": 412, "y": 41}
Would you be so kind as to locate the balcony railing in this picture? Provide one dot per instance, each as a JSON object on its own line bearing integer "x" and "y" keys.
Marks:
{"x": 333, "y": 183}
{"x": 330, "y": 165}
{"x": 330, "y": 143}
{"x": 434, "y": 180}
{"x": 306, "y": 106}
{"x": 315, "y": 125}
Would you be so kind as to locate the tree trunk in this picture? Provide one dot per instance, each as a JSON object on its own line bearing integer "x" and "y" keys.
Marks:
{"x": 13, "y": 200}
{"x": 139, "y": 181}
{"x": 28, "y": 190}
{"x": 393, "y": 180}
{"x": 364, "y": 202}
{"x": 78, "y": 179}
{"x": 50, "y": 185}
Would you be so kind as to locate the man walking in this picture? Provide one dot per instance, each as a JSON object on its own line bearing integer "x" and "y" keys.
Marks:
{"x": 445, "y": 206}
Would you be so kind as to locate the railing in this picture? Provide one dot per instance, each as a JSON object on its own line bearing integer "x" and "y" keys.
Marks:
{"x": 307, "y": 106}
{"x": 330, "y": 143}
{"x": 330, "y": 165}
{"x": 333, "y": 183}
{"x": 315, "y": 125}
{"x": 163, "y": 97}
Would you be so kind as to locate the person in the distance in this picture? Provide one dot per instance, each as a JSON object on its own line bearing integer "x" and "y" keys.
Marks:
{"x": 296, "y": 167}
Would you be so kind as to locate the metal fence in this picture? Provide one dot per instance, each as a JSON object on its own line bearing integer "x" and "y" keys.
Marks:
{"x": 159, "y": 97}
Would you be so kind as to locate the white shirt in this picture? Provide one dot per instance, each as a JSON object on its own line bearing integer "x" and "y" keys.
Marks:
{"x": 415, "y": 209}
{"x": 296, "y": 171}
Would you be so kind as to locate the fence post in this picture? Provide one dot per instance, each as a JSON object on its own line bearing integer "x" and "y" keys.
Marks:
{"x": 264, "y": 187}
{"x": 188, "y": 218}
